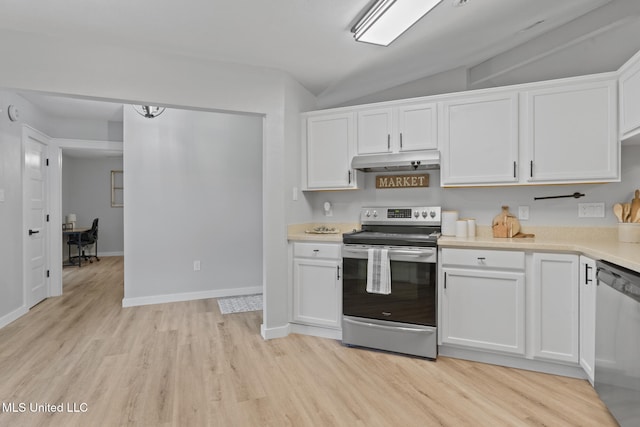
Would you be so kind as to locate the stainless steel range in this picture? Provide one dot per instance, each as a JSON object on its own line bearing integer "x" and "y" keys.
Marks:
{"x": 389, "y": 280}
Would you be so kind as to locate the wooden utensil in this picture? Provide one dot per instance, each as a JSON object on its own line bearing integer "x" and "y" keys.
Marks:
{"x": 635, "y": 208}
{"x": 626, "y": 212}
{"x": 618, "y": 212}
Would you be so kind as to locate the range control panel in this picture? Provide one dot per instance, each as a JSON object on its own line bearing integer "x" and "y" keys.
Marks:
{"x": 422, "y": 215}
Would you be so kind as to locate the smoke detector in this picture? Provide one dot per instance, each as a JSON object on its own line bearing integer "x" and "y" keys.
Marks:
{"x": 459, "y": 3}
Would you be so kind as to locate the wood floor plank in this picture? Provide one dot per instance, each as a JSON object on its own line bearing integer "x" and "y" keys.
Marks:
{"x": 186, "y": 364}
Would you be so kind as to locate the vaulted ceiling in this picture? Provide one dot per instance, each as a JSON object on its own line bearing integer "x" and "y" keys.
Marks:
{"x": 309, "y": 39}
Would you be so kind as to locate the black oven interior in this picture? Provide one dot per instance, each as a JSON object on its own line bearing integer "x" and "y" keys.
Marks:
{"x": 412, "y": 299}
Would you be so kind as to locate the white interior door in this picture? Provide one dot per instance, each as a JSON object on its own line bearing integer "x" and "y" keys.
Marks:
{"x": 34, "y": 216}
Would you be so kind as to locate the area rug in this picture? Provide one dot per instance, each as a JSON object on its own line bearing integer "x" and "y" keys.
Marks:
{"x": 240, "y": 304}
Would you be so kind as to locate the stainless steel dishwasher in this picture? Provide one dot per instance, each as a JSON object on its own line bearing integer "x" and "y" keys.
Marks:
{"x": 617, "y": 366}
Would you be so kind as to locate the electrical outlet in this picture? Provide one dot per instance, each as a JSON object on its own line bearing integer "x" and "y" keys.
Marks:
{"x": 523, "y": 212}
{"x": 196, "y": 265}
{"x": 591, "y": 210}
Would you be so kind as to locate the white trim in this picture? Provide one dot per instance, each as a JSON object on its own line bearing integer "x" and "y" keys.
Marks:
{"x": 190, "y": 296}
{"x": 103, "y": 254}
{"x": 566, "y": 370}
{"x": 114, "y": 253}
{"x": 316, "y": 331}
{"x": 14, "y": 315}
{"x": 90, "y": 144}
{"x": 271, "y": 333}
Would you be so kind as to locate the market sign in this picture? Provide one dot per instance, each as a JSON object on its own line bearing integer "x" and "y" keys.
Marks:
{"x": 402, "y": 181}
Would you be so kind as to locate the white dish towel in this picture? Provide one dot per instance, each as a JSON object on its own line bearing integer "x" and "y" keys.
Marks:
{"x": 378, "y": 272}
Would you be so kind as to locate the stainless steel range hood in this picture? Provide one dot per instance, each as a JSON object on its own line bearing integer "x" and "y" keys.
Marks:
{"x": 395, "y": 162}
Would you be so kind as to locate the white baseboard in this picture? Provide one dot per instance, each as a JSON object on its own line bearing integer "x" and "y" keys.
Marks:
{"x": 14, "y": 315}
{"x": 190, "y": 296}
{"x": 271, "y": 333}
{"x": 100, "y": 254}
{"x": 573, "y": 371}
{"x": 316, "y": 331}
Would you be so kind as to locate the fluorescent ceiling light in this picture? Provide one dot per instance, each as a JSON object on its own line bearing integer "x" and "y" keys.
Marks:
{"x": 386, "y": 20}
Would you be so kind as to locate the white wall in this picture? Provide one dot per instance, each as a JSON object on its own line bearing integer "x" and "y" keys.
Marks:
{"x": 484, "y": 203}
{"x": 447, "y": 82}
{"x": 193, "y": 191}
{"x": 86, "y": 191}
{"x": 77, "y": 67}
{"x": 98, "y": 130}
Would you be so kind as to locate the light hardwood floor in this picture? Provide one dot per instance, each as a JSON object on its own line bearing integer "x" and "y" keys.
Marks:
{"x": 185, "y": 364}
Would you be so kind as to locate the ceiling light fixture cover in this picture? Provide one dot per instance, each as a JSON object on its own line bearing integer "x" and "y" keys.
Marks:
{"x": 148, "y": 111}
{"x": 386, "y": 20}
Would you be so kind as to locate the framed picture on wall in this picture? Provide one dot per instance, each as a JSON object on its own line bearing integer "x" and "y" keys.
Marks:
{"x": 117, "y": 189}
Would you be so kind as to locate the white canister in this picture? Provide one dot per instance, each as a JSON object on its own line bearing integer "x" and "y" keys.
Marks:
{"x": 471, "y": 227}
{"x": 449, "y": 219}
{"x": 462, "y": 227}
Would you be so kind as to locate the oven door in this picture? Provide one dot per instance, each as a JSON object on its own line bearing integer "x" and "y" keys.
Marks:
{"x": 413, "y": 285}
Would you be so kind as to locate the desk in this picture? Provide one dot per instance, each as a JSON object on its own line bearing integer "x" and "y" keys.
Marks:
{"x": 76, "y": 232}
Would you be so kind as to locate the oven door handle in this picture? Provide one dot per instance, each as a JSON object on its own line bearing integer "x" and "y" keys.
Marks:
{"x": 416, "y": 253}
{"x": 387, "y": 328}
{"x": 411, "y": 253}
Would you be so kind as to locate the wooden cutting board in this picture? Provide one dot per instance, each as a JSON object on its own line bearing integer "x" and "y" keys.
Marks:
{"x": 635, "y": 208}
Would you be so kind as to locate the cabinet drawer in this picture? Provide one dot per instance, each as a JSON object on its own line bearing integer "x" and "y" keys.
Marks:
{"x": 483, "y": 258}
{"x": 317, "y": 250}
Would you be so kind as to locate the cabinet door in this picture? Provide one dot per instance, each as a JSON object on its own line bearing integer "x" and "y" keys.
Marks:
{"x": 587, "y": 290}
{"x": 375, "y": 128}
{"x": 317, "y": 292}
{"x": 417, "y": 127}
{"x": 330, "y": 142}
{"x": 480, "y": 140}
{"x": 630, "y": 98}
{"x": 484, "y": 309}
{"x": 571, "y": 133}
{"x": 555, "y": 307}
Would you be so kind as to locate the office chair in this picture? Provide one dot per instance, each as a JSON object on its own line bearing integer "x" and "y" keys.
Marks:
{"x": 87, "y": 238}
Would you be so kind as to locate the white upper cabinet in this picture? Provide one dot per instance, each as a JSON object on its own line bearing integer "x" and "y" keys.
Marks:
{"x": 327, "y": 154}
{"x": 630, "y": 98}
{"x": 570, "y": 133}
{"x": 374, "y": 131}
{"x": 417, "y": 127}
{"x": 479, "y": 140}
{"x": 393, "y": 129}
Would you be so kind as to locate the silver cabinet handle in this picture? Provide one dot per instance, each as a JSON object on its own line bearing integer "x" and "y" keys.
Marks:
{"x": 388, "y": 142}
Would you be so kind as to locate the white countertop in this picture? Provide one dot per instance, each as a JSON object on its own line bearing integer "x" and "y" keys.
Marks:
{"x": 599, "y": 243}
{"x": 594, "y": 242}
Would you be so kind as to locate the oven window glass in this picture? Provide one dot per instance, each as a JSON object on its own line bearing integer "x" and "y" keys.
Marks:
{"x": 412, "y": 298}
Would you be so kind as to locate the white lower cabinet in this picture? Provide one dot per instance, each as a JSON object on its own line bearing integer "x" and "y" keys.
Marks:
{"x": 587, "y": 291}
{"x": 484, "y": 309}
{"x": 529, "y": 310}
{"x": 555, "y": 302}
{"x": 317, "y": 284}
{"x": 483, "y": 300}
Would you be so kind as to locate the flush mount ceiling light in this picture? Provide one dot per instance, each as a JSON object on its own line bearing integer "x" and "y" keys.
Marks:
{"x": 148, "y": 111}
{"x": 386, "y": 20}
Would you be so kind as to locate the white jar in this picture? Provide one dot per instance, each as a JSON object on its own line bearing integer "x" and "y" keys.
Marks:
{"x": 471, "y": 227}
{"x": 449, "y": 219}
{"x": 462, "y": 227}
